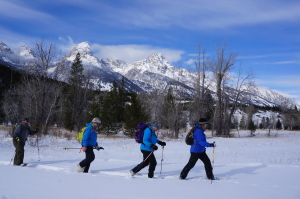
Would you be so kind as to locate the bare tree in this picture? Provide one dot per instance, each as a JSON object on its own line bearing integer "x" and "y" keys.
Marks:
{"x": 11, "y": 106}
{"x": 173, "y": 115}
{"x": 243, "y": 84}
{"x": 220, "y": 67}
{"x": 198, "y": 106}
{"x": 40, "y": 92}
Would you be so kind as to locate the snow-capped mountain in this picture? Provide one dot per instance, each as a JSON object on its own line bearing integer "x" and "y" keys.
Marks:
{"x": 25, "y": 52}
{"x": 86, "y": 55}
{"x": 152, "y": 73}
{"x": 15, "y": 59}
{"x": 101, "y": 78}
{"x": 4, "y": 49}
{"x": 6, "y": 54}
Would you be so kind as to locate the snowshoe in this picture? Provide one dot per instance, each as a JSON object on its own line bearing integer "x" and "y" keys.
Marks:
{"x": 80, "y": 169}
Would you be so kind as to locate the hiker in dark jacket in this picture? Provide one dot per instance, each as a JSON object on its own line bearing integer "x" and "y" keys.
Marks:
{"x": 198, "y": 151}
{"x": 89, "y": 141}
{"x": 147, "y": 148}
{"x": 20, "y": 135}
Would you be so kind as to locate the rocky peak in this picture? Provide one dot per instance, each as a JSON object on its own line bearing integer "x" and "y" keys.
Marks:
{"x": 83, "y": 48}
{"x": 86, "y": 55}
{"x": 4, "y": 49}
{"x": 25, "y": 52}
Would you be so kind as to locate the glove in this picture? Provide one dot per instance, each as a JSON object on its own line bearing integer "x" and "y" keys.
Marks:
{"x": 153, "y": 146}
{"x": 213, "y": 145}
{"x": 18, "y": 139}
{"x": 98, "y": 148}
{"x": 161, "y": 143}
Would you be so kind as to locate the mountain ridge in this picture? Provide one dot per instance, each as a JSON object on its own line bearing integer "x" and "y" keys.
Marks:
{"x": 149, "y": 74}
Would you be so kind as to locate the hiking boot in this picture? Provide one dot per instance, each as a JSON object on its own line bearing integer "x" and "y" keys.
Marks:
{"x": 80, "y": 169}
{"x": 153, "y": 177}
{"x": 181, "y": 178}
{"x": 132, "y": 173}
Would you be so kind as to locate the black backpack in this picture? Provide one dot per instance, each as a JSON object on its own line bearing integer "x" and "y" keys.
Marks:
{"x": 189, "y": 139}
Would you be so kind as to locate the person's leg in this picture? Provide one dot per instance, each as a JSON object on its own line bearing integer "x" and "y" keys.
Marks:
{"x": 192, "y": 161}
{"x": 19, "y": 152}
{"x": 207, "y": 165}
{"x": 153, "y": 163}
{"x": 142, "y": 164}
{"x": 89, "y": 158}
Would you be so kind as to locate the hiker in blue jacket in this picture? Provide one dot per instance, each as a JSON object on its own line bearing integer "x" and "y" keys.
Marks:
{"x": 147, "y": 148}
{"x": 198, "y": 151}
{"x": 89, "y": 141}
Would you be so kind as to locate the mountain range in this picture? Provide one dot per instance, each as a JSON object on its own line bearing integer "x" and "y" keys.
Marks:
{"x": 149, "y": 74}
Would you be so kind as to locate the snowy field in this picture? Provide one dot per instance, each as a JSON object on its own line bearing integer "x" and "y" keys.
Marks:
{"x": 257, "y": 167}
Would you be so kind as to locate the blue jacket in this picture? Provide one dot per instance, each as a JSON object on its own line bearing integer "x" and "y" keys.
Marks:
{"x": 89, "y": 136}
{"x": 148, "y": 139}
{"x": 199, "y": 140}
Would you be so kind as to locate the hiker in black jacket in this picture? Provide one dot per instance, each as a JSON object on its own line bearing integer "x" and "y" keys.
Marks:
{"x": 20, "y": 135}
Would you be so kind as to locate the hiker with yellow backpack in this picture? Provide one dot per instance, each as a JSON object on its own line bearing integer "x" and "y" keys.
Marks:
{"x": 89, "y": 141}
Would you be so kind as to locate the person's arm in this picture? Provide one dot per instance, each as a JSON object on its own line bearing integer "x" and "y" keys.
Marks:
{"x": 31, "y": 132}
{"x": 146, "y": 137}
{"x": 200, "y": 137}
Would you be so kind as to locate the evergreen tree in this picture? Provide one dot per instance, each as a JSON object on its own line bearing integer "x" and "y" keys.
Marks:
{"x": 121, "y": 98}
{"x": 95, "y": 107}
{"x": 109, "y": 115}
{"x": 76, "y": 96}
{"x": 278, "y": 124}
{"x": 268, "y": 124}
{"x": 133, "y": 114}
{"x": 251, "y": 127}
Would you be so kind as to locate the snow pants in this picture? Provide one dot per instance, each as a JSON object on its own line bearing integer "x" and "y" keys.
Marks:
{"x": 19, "y": 155}
{"x": 150, "y": 161}
{"x": 192, "y": 161}
{"x": 89, "y": 158}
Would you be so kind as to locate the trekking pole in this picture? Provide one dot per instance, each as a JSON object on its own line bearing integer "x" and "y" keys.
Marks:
{"x": 74, "y": 148}
{"x": 145, "y": 159}
{"x": 213, "y": 158}
{"x": 37, "y": 142}
{"x": 12, "y": 158}
{"x": 162, "y": 159}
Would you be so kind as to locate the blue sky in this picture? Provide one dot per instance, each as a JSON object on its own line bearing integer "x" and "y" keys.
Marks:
{"x": 264, "y": 33}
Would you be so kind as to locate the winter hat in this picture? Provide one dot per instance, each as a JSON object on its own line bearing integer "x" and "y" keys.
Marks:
{"x": 96, "y": 120}
{"x": 154, "y": 124}
{"x": 26, "y": 119}
{"x": 202, "y": 121}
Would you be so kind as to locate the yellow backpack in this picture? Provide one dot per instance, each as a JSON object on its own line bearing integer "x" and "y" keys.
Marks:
{"x": 80, "y": 134}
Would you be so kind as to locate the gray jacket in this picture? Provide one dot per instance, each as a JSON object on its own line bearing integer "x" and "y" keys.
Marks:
{"x": 22, "y": 131}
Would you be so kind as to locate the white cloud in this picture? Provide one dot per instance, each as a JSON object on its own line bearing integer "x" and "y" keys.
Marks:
{"x": 203, "y": 14}
{"x": 67, "y": 44}
{"x": 190, "y": 61}
{"x": 14, "y": 10}
{"x": 132, "y": 53}
{"x": 286, "y": 62}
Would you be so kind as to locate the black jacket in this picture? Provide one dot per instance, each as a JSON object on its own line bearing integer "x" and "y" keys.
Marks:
{"x": 22, "y": 131}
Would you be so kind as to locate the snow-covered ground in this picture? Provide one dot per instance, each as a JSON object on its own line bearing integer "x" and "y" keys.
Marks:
{"x": 258, "y": 167}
